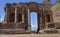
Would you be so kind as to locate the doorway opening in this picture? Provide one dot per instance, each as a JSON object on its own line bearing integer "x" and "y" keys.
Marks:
{"x": 34, "y": 21}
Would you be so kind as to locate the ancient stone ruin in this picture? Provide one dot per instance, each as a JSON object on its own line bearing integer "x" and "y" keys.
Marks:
{"x": 17, "y": 18}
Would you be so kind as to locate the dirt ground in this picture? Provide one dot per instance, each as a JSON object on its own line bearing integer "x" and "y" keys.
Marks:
{"x": 30, "y": 35}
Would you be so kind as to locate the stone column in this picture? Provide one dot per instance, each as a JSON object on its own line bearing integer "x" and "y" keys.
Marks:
{"x": 15, "y": 17}
{"x": 41, "y": 21}
{"x": 46, "y": 25}
{"x": 44, "y": 17}
{"x": 23, "y": 15}
{"x": 6, "y": 17}
{"x": 29, "y": 25}
{"x": 46, "y": 21}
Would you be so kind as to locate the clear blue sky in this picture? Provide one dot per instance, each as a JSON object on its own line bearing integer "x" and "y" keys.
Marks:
{"x": 3, "y": 3}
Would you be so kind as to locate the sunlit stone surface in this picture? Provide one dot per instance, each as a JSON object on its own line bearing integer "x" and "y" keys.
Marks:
{"x": 56, "y": 12}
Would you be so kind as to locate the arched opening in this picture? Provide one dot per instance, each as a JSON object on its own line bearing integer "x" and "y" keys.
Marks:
{"x": 34, "y": 21}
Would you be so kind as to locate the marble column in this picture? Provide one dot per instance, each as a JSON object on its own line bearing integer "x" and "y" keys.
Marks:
{"x": 29, "y": 25}
{"x": 6, "y": 17}
{"x": 23, "y": 15}
{"x": 15, "y": 18}
{"x": 15, "y": 15}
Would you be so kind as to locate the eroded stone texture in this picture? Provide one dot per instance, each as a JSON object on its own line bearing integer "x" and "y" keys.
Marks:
{"x": 56, "y": 14}
{"x": 17, "y": 15}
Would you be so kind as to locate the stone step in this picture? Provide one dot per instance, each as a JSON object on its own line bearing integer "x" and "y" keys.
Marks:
{"x": 48, "y": 31}
{"x": 51, "y": 31}
{"x": 13, "y": 31}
